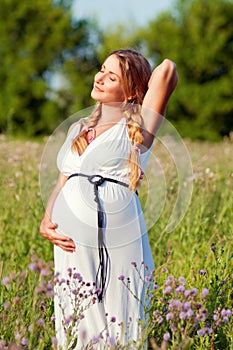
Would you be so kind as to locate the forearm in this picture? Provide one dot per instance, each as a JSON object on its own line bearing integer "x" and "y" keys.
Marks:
{"x": 160, "y": 87}
{"x": 48, "y": 228}
{"x": 60, "y": 183}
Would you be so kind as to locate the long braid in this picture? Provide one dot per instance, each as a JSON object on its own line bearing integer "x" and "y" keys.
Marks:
{"x": 134, "y": 122}
{"x": 80, "y": 141}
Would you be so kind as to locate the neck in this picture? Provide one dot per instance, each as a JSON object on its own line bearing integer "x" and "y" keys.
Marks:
{"x": 111, "y": 113}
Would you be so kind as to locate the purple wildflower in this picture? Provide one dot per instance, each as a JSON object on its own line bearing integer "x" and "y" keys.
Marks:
{"x": 166, "y": 336}
{"x": 226, "y": 313}
{"x": 80, "y": 278}
{"x": 213, "y": 248}
{"x": 174, "y": 328}
{"x": 187, "y": 305}
{"x": 187, "y": 293}
{"x": 44, "y": 272}
{"x": 69, "y": 270}
{"x": 194, "y": 291}
{"x": 202, "y": 314}
{"x": 33, "y": 267}
{"x": 24, "y": 341}
{"x": 62, "y": 281}
{"x": 180, "y": 289}
{"x": 170, "y": 279}
{"x": 7, "y": 305}
{"x": 174, "y": 303}
{"x": 167, "y": 290}
{"x": 160, "y": 319}
{"x": 121, "y": 277}
{"x": 182, "y": 279}
{"x": 204, "y": 292}
{"x": 183, "y": 315}
{"x": 40, "y": 322}
{"x": 202, "y": 332}
{"x": 155, "y": 313}
{"x": 113, "y": 319}
{"x": 147, "y": 279}
{"x": 169, "y": 316}
{"x": 202, "y": 272}
{"x": 6, "y": 281}
{"x": 16, "y": 300}
{"x": 189, "y": 313}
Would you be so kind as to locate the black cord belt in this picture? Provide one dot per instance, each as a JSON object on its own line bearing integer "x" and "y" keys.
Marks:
{"x": 102, "y": 272}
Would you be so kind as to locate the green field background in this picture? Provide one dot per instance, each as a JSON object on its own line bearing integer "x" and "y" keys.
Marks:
{"x": 201, "y": 242}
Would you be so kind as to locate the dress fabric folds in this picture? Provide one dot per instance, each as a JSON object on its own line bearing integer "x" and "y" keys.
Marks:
{"x": 80, "y": 319}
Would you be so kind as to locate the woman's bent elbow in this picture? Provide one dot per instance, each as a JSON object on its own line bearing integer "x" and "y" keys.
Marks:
{"x": 169, "y": 70}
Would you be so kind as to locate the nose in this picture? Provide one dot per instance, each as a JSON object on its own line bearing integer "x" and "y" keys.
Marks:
{"x": 99, "y": 78}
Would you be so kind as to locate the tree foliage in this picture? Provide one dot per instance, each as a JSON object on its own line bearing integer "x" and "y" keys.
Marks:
{"x": 41, "y": 40}
{"x": 198, "y": 36}
{"x": 37, "y": 39}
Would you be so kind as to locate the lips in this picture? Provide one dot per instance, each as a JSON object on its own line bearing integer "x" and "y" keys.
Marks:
{"x": 97, "y": 88}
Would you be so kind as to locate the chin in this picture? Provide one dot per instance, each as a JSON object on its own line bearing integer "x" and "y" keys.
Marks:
{"x": 95, "y": 96}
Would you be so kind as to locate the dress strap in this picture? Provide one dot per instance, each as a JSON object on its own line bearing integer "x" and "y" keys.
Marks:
{"x": 103, "y": 269}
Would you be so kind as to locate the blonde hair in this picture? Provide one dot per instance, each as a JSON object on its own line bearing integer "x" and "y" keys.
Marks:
{"x": 136, "y": 73}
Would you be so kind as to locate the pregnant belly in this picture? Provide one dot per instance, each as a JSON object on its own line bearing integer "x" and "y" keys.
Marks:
{"x": 75, "y": 212}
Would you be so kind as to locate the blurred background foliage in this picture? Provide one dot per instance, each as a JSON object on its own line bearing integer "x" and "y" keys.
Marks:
{"x": 49, "y": 58}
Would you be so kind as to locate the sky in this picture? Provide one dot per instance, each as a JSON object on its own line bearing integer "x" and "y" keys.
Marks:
{"x": 108, "y": 12}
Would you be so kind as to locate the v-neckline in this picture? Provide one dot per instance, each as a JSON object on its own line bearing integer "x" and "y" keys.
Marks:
{"x": 100, "y": 135}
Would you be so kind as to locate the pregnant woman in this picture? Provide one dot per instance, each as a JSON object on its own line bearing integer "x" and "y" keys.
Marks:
{"x": 93, "y": 216}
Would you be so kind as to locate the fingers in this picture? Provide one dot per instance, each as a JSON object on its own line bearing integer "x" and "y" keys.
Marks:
{"x": 48, "y": 231}
{"x": 68, "y": 246}
{"x": 61, "y": 241}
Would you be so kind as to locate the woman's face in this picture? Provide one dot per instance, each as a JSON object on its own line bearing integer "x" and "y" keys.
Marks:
{"x": 108, "y": 82}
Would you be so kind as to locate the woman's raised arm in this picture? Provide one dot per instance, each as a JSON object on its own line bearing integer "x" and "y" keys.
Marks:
{"x": 161, "y": 85}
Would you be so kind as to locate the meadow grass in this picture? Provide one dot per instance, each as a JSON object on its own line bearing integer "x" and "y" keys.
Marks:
{"x": 199, "y": 251}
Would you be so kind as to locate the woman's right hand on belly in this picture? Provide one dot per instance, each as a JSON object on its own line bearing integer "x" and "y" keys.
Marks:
{"x": 48, "y": 231}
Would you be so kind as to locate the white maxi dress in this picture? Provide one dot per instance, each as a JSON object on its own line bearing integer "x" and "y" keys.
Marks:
{"x": 77, "y": 315}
